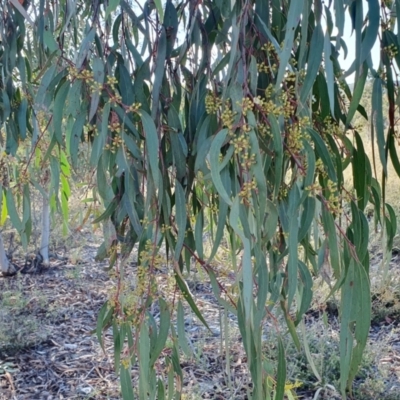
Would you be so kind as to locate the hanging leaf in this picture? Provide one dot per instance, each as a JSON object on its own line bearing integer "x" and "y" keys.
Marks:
{"x": 151, "y": 146}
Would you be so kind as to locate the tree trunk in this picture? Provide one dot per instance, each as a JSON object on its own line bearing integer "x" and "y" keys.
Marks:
{"x": 5, "y": 266}
{"x": 44, "y": 245}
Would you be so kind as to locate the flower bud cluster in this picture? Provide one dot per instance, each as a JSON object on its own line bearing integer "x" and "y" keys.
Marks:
{"x": 268, "y": 106}
{"x": 145, "y": 283}
{"x": 91, "y": 130}
{"x": 332, "y": 198}
{"x": 84, "y": 74}
{"x": 5, "y": 162}
{"x": 268, "y": 48}
{"x": 295, "y": 135}
{"x": 116, "y": 143}
{"x": 263, "y": 67}
{"x": 151, "y": 256}
{"x": 213, "y": 103}
{"x": 135, "y": 107}
{"x": 165, "y": 228}
{"x": 246, "y": 190}
{"x": 228, "y": 117}
{"x": 391, "y": 50}
{"x": 331, "y": 128}
{"x": 320, "y": 168}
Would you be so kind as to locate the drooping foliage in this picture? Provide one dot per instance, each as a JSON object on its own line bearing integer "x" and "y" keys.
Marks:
{"x": 228, "y": 118}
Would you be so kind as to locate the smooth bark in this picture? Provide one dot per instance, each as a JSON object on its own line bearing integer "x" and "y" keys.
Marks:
{"x": 5, "y": 266}
{"x": 44, "y": 245}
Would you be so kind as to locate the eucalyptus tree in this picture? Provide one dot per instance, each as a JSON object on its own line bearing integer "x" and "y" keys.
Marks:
{"x": 227, "y": 117}
{"x": 30, "y": 153}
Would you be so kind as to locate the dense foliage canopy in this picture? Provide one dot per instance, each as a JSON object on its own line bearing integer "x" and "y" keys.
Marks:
{"x": 224, "y": 118}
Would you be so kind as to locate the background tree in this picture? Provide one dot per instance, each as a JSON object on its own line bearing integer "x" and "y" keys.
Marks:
{"x": 33, "y": 159}
{"x": 240, "y": 125}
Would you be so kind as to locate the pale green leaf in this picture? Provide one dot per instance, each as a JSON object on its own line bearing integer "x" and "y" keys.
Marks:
{"x": 152, "y": 145}
{"x": 112, "y": 6}
{"x": 180, "y": 215}
{"x": 214, "y": 154}
{"x": 293, "y": 20}
{"x": 144, "y": 360}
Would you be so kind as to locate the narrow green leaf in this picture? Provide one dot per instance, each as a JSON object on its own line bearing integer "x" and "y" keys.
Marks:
{"x": 3, "y": 208}
{"x": 160, "y": 390}
{"x": 314, "y": 62}
{"x": 393, "y": 154}
{"x": 233, "y": 51}
{"x": 118, "y": 343}
{"x": 44, "y": 84}
{"x": 247, "y": 269}
{"x": 291, "y": 327}
{"x": 253, "y": 75}
{"x": 278, "y": 153}
{"x": 362, "y": 321}
{"x": 163, "y": 332}
{"x": 222, "y": 214}
{"x": 126, "y": 383}
{"x": 371, "y": 34}
{"x": 177, "y": 139}
{"x": 357, "y": 94}
{"x": 85, "y": 47}
{"x": 330, "y": 232}
{"x": 152, "y": 146}
{"x": 391, "y": 226}
{"x": 346, "y": 336}
{"x": 100, "y": 139}
{"x": 22, "y": 118}
{"x": 306, "y": 291}
{"x": 377, "y": 120}
{"x": 125, "y": 85}
{"x": 112, "y": 6}
{"x": 144, "y": 360}
{"x": 330, "y": 77}
{"x": 12, "y": 211}
{"x": 76, "y": 135}
{"x": 74, "y": 99}
{"x": 294, "y": 202}
{"x": 49, "y": 41}
{"x": 126, "y": 121}
{"x": 103, "y": 320}
{"x": 304, "y": 45}
{"x": 310, "y": 357}
{"x": 188, "y": 297}
{"x": 58, "y": 110}
{"x": 281, "y": 373}
{"x": 159, "y": 71}
{"x": 98, "y": 75}
{"x": 215, "y": 150}
{"x": 181, "y": 331}
{"x": 360, "y": 172}
{"x": 108, "y": 212}
{"x": 263, "y": 286}
{"x": 257, "y": 168}
{"x": 180, "y": 215}
{"x": 170, "y": 24}
{"x": 322, "y": 151}
{"x": 339, "y": 18}
{"x": 198, "y": 234}
{"x": 307, "y": 217}
{"x": 271, "y": 222}
{"x": 293, "y": 20}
